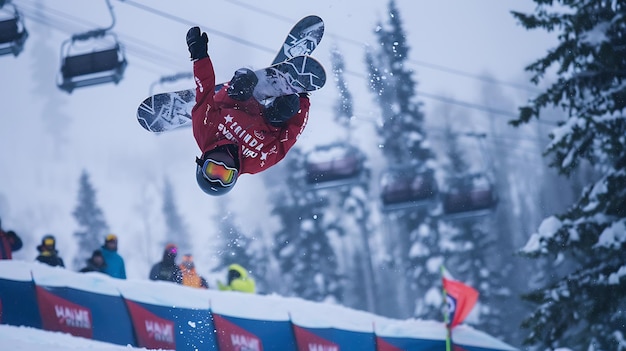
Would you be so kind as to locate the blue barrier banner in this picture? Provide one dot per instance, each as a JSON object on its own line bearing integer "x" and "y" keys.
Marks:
{"x": 172, "y": 327}
{"x": 235, "y": 334}
{"x": 19, "y": 303}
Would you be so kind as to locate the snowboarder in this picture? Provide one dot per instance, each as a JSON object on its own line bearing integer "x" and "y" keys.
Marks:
{"x": 235, "y": 132}
{"x": 189, "y": 275}
{"x": 48, "y": 253}
{"x": 9, "y": 242}
{"x": 95, "y": 263}
{"x": 167, "y": 269}
{"x": 237, "y": 280}
{"x": 115, "y": 266}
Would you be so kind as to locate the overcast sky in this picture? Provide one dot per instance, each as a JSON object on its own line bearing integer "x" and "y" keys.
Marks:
{"x": 49, "y": 136}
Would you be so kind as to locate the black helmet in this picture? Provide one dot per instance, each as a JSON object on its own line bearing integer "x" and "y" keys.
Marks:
{"x": 48, "y": 243}
{"x": 216, "y": 172}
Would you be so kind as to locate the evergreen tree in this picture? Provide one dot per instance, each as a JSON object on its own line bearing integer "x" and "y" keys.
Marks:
{"x": 44, "y": 70}
{"x": 92, "y": 224}
{"x": 175, "y": 228}
{"x": 307, "y": 261}
{"x": 404, "y": 144}
{"x": 344, "y": 105}
{"x": 583, "y": 307}
{"x": 474, "y": 250}
{"x": 249, "y": 251}
{"x": 233, "y": 245}
{"x": 353, "y": 209}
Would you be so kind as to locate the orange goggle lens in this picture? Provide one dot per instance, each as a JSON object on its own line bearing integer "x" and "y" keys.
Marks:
{"x": 217, "y": 171}
{"x": 48, "y": 242}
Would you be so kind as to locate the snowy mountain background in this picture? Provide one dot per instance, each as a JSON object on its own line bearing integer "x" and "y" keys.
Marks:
{"x": 468, "y": 59}
{"x": 51, "y": 137}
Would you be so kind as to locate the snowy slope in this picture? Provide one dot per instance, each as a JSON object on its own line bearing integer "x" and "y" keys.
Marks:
{"x": 30, "y": 339}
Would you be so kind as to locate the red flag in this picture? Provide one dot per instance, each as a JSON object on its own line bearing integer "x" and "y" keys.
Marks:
{"x": 460, "y": 298}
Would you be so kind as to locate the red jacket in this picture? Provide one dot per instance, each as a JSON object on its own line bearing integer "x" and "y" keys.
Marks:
{"x": 219, "y": 120}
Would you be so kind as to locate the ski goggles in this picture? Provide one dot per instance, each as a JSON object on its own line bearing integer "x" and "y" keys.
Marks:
{"x": 218, "y": 172}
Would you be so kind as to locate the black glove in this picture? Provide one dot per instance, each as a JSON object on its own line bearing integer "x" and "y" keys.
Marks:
{"x": 197, "y": 44}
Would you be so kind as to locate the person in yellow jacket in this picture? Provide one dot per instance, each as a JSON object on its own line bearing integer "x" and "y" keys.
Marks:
{"x": 190, "y": 276}
{"x": 238, "y": 280}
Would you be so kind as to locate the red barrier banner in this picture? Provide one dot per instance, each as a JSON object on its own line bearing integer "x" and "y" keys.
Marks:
{"x": 308, "y": 341}
{"x": 231, "y": 337}
{"x": 58, "y": 314}
{"x": 382, "y": 345}
{"x": 152, "y": 332}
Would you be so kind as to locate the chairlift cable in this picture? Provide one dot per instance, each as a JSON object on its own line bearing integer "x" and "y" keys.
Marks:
{"x": 60, "y": 21}
{"x": 433, "y": 66}
{"x": 266, "y": 49}
{"x": 205, "y": 28}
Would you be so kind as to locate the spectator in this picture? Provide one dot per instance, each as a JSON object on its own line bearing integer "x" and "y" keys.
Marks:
{"x": 167, "y": 269}
{"x": 9, "y": 242}
{"x": 189, "y": 275}
{"x": 48, "y": 253}
{"x": 114, "y": 262}
{"x": 95, "y": 263}
{"x": 238, "y": 280}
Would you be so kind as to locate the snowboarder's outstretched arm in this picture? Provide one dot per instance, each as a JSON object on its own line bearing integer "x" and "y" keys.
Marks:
{"x": 203, "y": 72}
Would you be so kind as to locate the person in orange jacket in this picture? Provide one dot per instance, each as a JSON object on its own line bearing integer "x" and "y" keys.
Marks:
{"x": 190, "y": 276}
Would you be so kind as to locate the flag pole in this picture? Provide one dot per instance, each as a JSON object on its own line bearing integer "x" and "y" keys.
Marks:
{"x": 446, "y": 315}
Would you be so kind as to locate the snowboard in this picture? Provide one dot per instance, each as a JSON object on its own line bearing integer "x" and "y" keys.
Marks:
{"x": 292, "y": 71}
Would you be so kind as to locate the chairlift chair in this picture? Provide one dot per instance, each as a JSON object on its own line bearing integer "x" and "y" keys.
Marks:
{"x": 91, "y": 58}
{"x": 334, "y": 166}
{"x": 407, "y": 188}
{"x": 13, "y": 33}
{"x": 478, "y": 199}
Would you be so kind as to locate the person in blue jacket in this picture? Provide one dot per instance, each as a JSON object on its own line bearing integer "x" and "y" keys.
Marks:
{"x": 115, "y": 263}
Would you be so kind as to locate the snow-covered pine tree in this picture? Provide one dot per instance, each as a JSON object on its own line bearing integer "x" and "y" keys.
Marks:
{"x": 352, "y": 211}
{"x": 583, "y": 308}
{"x": 233, "y": 245}
{"x": 92, "y": 226}
{"x": 344, "y": 111}
{"x": 403, "y": 142}
{"x": 176, "y": 230}
{"x": 472, "y": 253}
{"x": 307, "y": 261}
{"x": 55, "y": 121}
